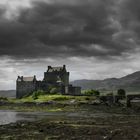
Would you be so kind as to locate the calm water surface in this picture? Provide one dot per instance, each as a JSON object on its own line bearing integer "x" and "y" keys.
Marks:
{"x": 8, "y": 116}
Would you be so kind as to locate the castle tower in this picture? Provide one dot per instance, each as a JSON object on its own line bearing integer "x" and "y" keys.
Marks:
{"x": 57, "y": 75}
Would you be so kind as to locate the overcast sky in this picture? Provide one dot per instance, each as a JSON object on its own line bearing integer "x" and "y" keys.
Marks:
{"x": 96, "y": 39}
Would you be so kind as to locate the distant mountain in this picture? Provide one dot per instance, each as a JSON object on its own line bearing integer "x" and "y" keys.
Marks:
{"x": 8, "y": 93}
{"x": 130, "y": 82}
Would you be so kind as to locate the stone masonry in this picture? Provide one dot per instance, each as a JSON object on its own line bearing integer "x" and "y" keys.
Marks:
{"x": 54, "y": 77}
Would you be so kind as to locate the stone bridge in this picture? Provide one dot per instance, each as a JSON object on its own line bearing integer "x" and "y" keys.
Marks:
{"x": 116, "y": 98}
{"x": 111, "y": 98}
{"x": 131, "y": 97}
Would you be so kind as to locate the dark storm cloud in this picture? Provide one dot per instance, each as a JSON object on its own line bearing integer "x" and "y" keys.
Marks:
{"x": 130, "y": 16}
{"x": 66, "y": 28}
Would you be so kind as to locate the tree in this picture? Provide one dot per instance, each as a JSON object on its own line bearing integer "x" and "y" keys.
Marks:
{"x": 121, "y": 92}
{"x": 92, "y": 92}
{"x": 37, "y": 93}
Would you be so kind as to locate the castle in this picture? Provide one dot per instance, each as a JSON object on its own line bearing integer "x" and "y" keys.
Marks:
{"x": 54, "y": 77}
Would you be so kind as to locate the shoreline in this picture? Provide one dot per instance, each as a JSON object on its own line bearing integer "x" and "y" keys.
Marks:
{"x": 73, "y": 120}
{"x": 74, "y": 127}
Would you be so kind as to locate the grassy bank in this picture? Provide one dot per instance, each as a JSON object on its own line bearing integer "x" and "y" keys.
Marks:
{"x": 46, "y": 103}
{"x": 81, "y": 119}
{"x": 56, "y": 102}
{"x": 56, "y": 98}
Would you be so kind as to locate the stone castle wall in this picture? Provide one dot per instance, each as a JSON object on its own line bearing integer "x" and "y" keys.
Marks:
{"x": 74, "y": 90}
{"x": 24, "y": 88}
{"x": 55, "y": 77}
{"x": 52, "y": 78}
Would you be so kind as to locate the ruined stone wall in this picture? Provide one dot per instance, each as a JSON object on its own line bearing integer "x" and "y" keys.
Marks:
{"x": 25, "y": 88}
{"x": 42, "y": 85}
{"x": 74, "y": 90}
{"x": 77, "y": 90}
{"x": 70, "y": 90}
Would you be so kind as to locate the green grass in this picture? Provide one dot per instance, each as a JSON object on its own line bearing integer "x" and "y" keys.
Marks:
{"x": 44, "y": 98}
{"x": 59, "y": 103}
{"x": 55, "y": 98}
{"x": 49, "y": 108}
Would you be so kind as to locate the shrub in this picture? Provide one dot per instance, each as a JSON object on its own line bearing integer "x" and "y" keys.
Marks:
{"x": 87, "y": 98}
{"x": 92, "y": 92}
{"x": 34, "y": 96}
{"x": 53, "y": 91}
{"x": 37, "y": 93}
{"x": 61, "y": 98}
{"x": 3, "y": 99}
{"x": 121, "y": 92}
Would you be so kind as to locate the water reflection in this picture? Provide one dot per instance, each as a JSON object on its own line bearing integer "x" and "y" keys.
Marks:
{"x": 7, "y": 117}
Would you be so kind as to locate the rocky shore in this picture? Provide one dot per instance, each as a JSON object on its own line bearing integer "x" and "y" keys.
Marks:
{"x": 77, "y": 122}
{"x": 74, "y": 128}
{"x": 73, "y": 119}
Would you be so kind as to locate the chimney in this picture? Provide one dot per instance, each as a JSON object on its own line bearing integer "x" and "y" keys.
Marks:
{"x": 49, "y": 67}
{"x": 21, "y": 78}
{"x": 18, "y": 78}
{"x": 34, "y": 76}
{"x": 64, "y": 66}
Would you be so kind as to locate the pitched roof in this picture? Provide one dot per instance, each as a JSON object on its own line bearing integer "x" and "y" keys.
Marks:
{"x": 51, "y": 69}
{"x": 28, "y": 78}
